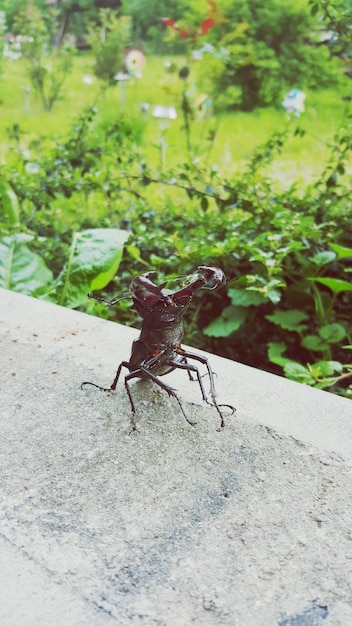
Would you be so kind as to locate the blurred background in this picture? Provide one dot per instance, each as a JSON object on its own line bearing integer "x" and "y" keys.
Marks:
{"x": 146, "y": 135}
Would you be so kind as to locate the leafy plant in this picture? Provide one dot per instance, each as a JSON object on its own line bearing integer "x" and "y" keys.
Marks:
{"x": 291, "y": 305}
{"x": 21, "y": 269}
{"x": 109, "y": 40}
{"x": 47, "y": 70}
{"x": 2, "y": 34}
{"x": 9, "y": 205}
{"x": 94, "y": 258}
{"x": 337, "y": 18}
{"x": 289, "y": 250}
{"x": 35, "y": 257}
{"x": 261, "y": 49}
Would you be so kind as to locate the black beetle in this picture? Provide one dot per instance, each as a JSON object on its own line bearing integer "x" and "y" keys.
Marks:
{"x": 158, "y": 350}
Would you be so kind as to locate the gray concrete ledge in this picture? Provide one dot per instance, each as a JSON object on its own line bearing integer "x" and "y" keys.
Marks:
{"x": 175, "y": 525}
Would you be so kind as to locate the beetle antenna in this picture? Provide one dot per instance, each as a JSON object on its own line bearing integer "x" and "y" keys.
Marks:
{"x": 109, "y": 302}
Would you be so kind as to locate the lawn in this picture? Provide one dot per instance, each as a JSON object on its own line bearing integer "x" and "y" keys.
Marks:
{"x": 236, "y": 133}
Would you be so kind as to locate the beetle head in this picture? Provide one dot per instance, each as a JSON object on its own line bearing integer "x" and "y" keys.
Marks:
{"x": 146, "y": 294}
{"x": 149, "y": 297}
{"x": 213, "y": 277}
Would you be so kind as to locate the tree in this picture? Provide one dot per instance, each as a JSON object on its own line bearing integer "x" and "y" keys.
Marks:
{"x": 72, "y": 16}
{"x": 147, "y": 16}
{"x": 336, "y": 33}
{"x": 262, "y": 48}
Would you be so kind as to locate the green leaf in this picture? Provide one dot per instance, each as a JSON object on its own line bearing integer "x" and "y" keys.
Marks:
{"x": 314, "y": 10}
{"x": 328, "y": 368}
{"x": 335, "y": 284}
{"x": 327, "y": 382}
{"x": 299, "y": 373}
{"x": 134, "y": 252}
{"x": 272, "y": 291}
{"x": 21, "y": 269}
{"x": 275, "y": 351}
{"x": 246, "y": 297}
{"x": 314, "y": 343}
{"x": 289, "y": 320}
{"x": 95, "y": 256}
{"x": 341, "y": 251}
{"x": 332, "y": 333}
{"x": 230, "y": 320}
{"x": 323, "y": 258}
{"x": 204, "y": 203}
{"x": 9, "y": 206}
{"x": 274, "y": 295}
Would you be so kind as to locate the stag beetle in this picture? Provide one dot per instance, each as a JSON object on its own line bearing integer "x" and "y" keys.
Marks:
{"x": 158, "y": 349}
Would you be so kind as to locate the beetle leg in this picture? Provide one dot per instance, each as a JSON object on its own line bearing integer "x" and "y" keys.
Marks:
{"x": 115, "y": 381}
{"x": 184, "y": 360}
{"x": 113, "y": 387}
{"x": 184, "y": 365}
{"x": 143, "y": 372}
{"x": 204, "y": 360}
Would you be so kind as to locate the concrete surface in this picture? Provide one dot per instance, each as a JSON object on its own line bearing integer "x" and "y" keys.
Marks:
{"x": 175, "y": 525}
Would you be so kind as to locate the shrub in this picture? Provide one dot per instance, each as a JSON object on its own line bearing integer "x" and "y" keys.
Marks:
{"x": 288, "y": 311}
{"x": 47, "y": 70}
{"x": 2, "y": 34}
{"x": 109, "y": 41}
{"x": 58, "y": 241}
{"x": 263, "y": 49}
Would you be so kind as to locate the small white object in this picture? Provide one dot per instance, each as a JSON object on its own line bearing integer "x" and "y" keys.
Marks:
{"x": 121, "y": 76}
{"x": 294, "y": 102}
{"x": 164, "y": 112}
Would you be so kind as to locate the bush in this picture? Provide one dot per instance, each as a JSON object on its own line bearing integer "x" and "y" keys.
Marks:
{"x": 288, "y": 311}
{"x": 47, "y": 70}
{"x": 146, "y": 19}
{"x": 264, "y": 49}
{"x": 59, "y": 242}
{"x": 109, "y": 41}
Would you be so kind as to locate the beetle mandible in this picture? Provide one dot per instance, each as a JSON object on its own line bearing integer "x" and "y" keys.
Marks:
{"x": 158, "y": 350}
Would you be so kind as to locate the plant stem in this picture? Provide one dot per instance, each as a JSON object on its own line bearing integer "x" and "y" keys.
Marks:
{"x": 68, "y": 269}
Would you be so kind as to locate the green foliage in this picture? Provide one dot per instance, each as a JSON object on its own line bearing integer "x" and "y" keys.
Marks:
{"x": 109, "y": 40}
{"x": 11, "y": 9}
{"x": 289, "y": 320}
{"x": 262, "y": 49}
{"x": 283, "y": 245}
{"x": 71, "y": 15}
{"x": 9, "y": 206}
{"x": 2, "y": 34}
{"x": 146, "y": 18}
{"x": 43, "y": 254}
{"x": 287, "y": 254}
{"x": 74, "y": 16}
{"x": 337, "y": 18}
{"x": 94, "y": 259}
{"x": 47, "y": 71}
{"x": 230, "y": 320}
{"x": 21, "y": 269}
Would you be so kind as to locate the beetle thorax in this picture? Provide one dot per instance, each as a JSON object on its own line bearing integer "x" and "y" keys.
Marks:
{"x": 163, "y": 326}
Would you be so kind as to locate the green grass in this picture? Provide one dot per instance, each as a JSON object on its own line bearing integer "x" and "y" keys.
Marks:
{"x": 236, "y": 134}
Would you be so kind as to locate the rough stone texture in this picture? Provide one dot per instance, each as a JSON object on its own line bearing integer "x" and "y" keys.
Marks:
{"x": 174, "y": 525}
